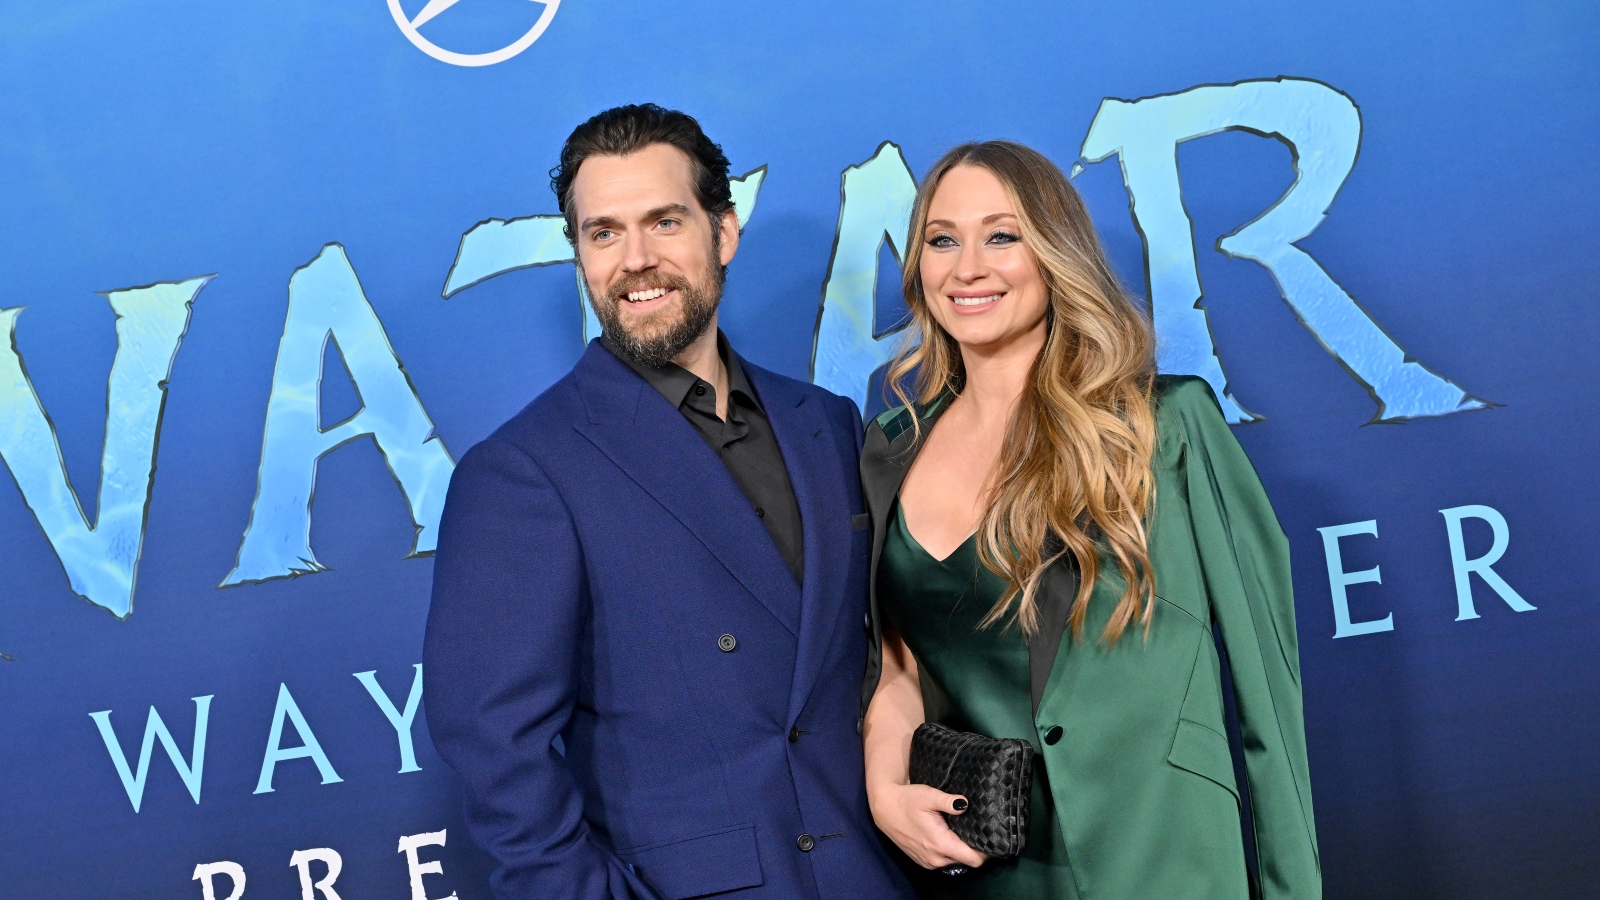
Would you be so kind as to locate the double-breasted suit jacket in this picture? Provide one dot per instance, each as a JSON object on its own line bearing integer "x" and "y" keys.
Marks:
{"x": 639, "y": 697}
{"x": 1133, "y": 737}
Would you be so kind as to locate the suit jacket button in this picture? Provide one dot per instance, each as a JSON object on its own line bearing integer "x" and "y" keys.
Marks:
{"x": 1053, "y": 735}
{"x": 794, "y": 735}
{"x": 727, "y": 642}
{"x": 805, "y": 842}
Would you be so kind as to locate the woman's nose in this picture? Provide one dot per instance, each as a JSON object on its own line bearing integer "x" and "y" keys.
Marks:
{"x": 969, "y": 265}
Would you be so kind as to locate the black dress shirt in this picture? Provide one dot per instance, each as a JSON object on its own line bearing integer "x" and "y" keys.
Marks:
{"x": 744, "y": 442}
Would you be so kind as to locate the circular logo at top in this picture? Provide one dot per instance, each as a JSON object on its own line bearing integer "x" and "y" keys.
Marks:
{"x": 409, "y": 27}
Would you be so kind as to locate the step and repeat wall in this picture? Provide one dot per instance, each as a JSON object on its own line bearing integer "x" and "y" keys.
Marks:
{"x": 270, "y": 268}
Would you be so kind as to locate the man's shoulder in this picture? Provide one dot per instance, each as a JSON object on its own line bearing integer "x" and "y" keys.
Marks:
{"x": 556, "y": 409}
{"x": 782, "y": 387}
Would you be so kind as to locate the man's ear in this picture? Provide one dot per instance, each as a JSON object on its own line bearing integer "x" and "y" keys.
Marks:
{"x": 729, "y": 226}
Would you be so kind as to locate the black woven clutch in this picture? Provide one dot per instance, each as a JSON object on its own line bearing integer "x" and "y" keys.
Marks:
{"x": 995, "y": 775}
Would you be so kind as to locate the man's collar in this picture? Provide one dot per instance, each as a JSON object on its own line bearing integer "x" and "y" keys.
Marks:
{"x": 674, "y": 382}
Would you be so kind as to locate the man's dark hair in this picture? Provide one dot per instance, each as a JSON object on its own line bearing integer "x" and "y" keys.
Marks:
{"x": 627, "y": 129}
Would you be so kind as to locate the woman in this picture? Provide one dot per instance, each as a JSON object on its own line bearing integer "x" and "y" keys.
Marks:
{"x": 1057, "y": 530}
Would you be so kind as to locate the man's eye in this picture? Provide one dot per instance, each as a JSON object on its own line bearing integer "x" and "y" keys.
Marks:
{"x": 602, "y": 235}
{"x": 668, "y": 224}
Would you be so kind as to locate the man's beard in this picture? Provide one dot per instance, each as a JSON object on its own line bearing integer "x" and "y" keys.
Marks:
{"x": 660, "y": 337}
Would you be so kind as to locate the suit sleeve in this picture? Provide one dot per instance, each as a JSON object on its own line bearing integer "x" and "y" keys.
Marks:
{"x": 502, "y": 651}
{"x": 1244, "y": 556}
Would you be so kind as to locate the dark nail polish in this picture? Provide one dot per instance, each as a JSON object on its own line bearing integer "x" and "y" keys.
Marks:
{"x": 959, "y": 804}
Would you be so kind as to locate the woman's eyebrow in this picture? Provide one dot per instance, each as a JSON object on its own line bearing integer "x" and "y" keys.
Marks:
{"x": 989, "y": 219}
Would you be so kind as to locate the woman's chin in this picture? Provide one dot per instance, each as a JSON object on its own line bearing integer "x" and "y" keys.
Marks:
{"x": 988, "y": 337}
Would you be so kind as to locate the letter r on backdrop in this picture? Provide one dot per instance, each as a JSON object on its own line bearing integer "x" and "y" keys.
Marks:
{"x": 1465, "y": 568}
{"x": 206, "y": 873}
{"x": 1322, "y": 128}
{"x": 301, "y": 861}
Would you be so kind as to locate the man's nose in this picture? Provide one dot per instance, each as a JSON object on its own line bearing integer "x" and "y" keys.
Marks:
{"x": 638, "y": 253}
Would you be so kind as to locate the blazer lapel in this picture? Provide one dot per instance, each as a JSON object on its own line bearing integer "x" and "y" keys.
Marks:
{"x": 812, "y": 459}
{"x": 886, "y": 457}
{"x": 890, "y": 449}
{"x": 654, "y": 445}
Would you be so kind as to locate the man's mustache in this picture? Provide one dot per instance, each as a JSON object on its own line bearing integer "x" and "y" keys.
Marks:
{"x": 619, "y": 291}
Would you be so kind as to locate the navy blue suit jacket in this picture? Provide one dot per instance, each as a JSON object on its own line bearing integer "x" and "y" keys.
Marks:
{"x": 593, "y": 558}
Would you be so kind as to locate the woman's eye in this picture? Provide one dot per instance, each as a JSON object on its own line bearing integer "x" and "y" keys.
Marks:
{"x": 1003, "y": 237}
{"x": 941, "y": 241}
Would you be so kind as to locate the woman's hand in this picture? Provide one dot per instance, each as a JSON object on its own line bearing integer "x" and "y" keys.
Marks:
{"x": 912, "y": 815}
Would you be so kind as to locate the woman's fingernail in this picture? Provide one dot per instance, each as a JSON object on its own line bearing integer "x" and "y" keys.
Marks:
{"x": 959, "y": 804}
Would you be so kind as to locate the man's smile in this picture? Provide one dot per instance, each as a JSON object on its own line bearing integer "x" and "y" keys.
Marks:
{"x": 647, "y": 299}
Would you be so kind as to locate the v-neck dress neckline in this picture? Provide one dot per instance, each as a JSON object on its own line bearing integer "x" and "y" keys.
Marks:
{"x": 973, "y": 680}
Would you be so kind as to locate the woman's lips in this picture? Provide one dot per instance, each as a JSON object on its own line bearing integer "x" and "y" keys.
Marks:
{"x": 969, "y": 304}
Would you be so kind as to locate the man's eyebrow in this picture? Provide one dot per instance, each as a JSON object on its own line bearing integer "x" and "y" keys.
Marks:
{"x": 598, "y": 221}
{"x": 670, "y": 209}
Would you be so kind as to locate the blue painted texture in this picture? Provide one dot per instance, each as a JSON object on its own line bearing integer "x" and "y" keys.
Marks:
{"x": 1448, "y": 263}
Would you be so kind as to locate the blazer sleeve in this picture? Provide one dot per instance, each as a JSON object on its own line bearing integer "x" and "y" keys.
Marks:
{"x": 501, "y": 652}
{"x": 1244, "y": 557}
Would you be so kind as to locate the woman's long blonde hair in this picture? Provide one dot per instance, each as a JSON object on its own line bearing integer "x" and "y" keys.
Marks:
{"x": 1074, "y": 468}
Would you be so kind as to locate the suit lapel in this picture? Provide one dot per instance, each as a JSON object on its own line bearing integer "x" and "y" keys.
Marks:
{"x": 813, "y": 461}
{"x": 639, "y": 431}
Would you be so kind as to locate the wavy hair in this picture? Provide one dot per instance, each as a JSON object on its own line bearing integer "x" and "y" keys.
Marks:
{"x": 1074, "y": 470}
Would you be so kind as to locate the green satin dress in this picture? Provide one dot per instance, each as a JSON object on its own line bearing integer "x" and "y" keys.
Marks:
{"x": 973, "y": 680}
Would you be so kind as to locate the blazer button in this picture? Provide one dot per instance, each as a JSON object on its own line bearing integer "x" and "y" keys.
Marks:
{"x": 805, "y": 842}
{"x": 1053, "y": 735}
{"x": 794, "y": 735}
{"x": 727, "y": 642}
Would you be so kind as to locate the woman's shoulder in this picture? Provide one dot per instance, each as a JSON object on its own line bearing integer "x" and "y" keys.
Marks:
{"x": 1182, "y": 394}
{"x": 897, "y": 421}
{"x": 891, "y": 423}
{"x": 1187, "y": 411}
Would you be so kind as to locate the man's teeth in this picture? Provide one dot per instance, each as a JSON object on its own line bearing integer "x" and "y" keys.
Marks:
{"x": 641, "y": 296}
{"x": 975, "y": 301}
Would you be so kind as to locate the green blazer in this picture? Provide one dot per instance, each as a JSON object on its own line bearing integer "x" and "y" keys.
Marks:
{"x": 1141, "y": 774}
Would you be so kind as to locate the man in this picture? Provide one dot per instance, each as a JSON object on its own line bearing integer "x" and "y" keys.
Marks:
{"x": 645, "y": 649}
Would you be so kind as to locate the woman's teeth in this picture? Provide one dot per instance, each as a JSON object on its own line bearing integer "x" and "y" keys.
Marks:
{"x": 974, "y": 301}
{"x": 651, "y": 294}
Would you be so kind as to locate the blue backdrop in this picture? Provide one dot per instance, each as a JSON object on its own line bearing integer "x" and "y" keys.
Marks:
{"x": 1419, "y": 361}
